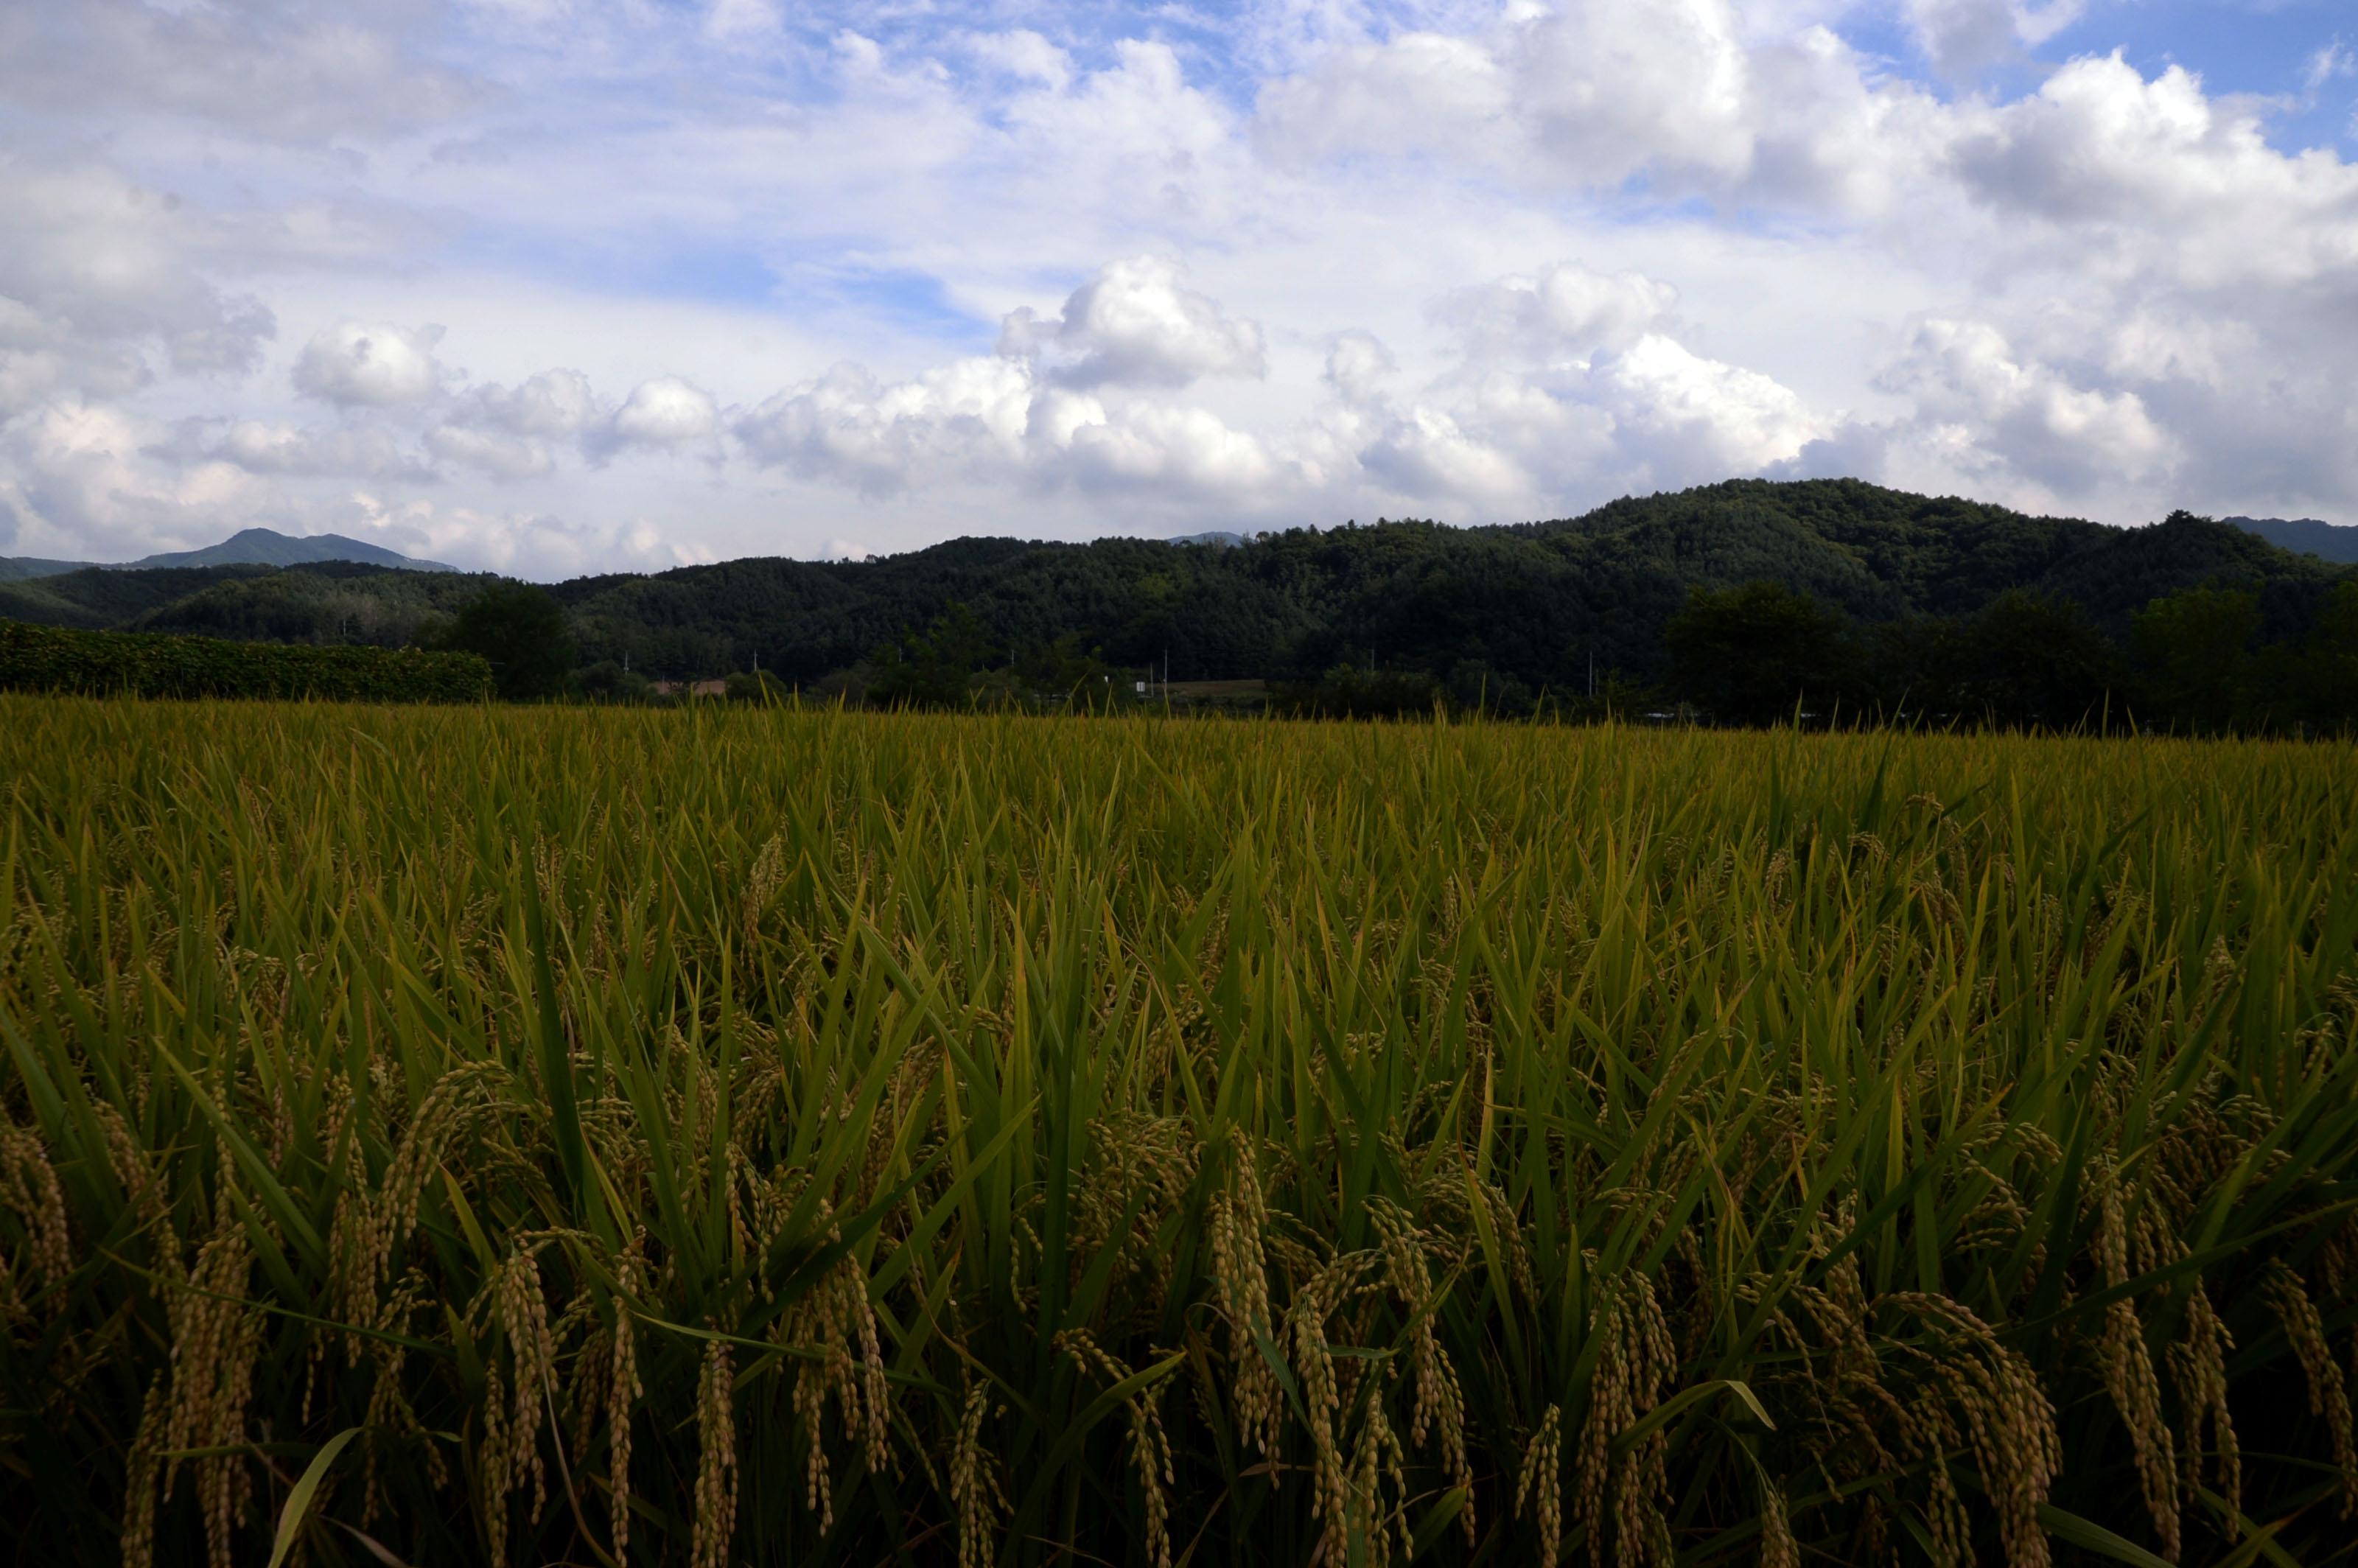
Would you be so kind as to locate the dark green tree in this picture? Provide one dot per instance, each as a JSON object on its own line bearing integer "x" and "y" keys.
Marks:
{"x": 1064, "y": 671}
{"x": 935, "y": 667}
{"x": 2028, "y": 662}
{"x": 1349, "y": 691}
{"x": 757, "y": 685}
{"x": 608, "y": 681}
{"x": 1759, "y": 653}
{"x": 520, "y": 629}
{"x": 2326, "y": 673}
{"x": 1475, "y": 687}
{"x": 2194, "y": 656}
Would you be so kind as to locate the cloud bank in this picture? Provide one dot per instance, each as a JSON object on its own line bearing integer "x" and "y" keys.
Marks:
{"x": 476, "y": 279}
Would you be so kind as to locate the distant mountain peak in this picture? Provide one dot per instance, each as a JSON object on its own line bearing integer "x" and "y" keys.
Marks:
{"x": 270, "y": 547}
{"x": 2306, "y": 535}
{"x": 246, "y": 548}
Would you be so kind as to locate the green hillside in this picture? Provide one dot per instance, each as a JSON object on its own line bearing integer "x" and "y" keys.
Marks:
{"x": 114, "y": 597}
{"x": 21, "y": 568}
{"x": 1529, "y": 608}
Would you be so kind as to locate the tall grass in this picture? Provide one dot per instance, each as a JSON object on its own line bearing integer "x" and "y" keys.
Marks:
{"x": 548, "y": 1136}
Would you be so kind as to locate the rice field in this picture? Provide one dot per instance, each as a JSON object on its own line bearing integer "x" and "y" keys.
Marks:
{"x": 554, "y": 1136}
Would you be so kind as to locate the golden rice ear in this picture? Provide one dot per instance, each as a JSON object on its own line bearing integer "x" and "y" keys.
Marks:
{"x": 2127, "y": 1370}
{"x": 715, "y": 1472}
{"x": 975, "y": 1492}
{"x": 514, "y": 1405}
{"x": 382, "y": 1224}
{"x": 29, "y": 1185}
{"x": 1778, "y": 1547}
{"x": 2199, "y": 1367}
{"x": 139, "y": 1480}
{"x": 143, "y": 1187}
{"x": 1991, "y": 1401}
{"x": 2329, "y": 1396}
{"x": 832, "y": 1319}
{"x": 2136, "y": 1394}
{"x": 1438, "y": 1404}
{"x": 495, "y": 1465}
{"x": 623, "y": 1391}
{"x": 1635, "y": 1362}
{"x": 1540, "y": 1483}
{"x": 1236, "y": 1224}
{"x": 767, "y": 874}
{"x": 1371, "y": 1524}
{"x": 216, "y": 1340}
{"x": 1321, "y": 1398}
{"x": 1150, "y": 1445}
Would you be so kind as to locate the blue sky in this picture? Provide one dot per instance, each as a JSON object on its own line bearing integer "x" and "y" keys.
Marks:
{"x": 552, "y": 285}
{"x": 2239, "y": 47}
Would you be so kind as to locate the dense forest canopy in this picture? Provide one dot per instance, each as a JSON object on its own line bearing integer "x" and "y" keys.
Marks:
{"x": 1908, "y": 592}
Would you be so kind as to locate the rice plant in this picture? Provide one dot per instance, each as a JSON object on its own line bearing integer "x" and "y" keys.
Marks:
{"x": 553, "y": 1136}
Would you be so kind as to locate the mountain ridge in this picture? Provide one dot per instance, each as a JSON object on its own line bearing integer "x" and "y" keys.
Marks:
{"x": 1528, "y": 603}
{"x": 2334, "y": 542}
{"x": 247, "y": 546}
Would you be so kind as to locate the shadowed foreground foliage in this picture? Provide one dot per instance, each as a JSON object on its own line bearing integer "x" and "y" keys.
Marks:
{"x": 697, "y": 1136}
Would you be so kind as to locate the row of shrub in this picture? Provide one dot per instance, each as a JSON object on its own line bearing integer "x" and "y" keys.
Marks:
{"x": 142, "y": 663}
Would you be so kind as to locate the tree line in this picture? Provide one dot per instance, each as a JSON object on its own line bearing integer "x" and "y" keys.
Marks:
{"x": 2196, "y": 662}
{"x": 1735, "y": 601}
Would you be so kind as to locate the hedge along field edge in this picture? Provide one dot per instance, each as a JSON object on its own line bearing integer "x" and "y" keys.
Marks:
{"x": 154, "y": 664}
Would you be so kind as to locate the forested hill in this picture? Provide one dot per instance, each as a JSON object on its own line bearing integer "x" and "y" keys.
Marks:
{"x": 1528, "y": 604}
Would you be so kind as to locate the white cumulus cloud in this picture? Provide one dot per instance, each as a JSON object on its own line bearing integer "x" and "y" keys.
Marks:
{"x": 553, "y": 403}
{"x": 493, "y": 452}
{"x": 1997, "y": 409}
{"x": 665, "y": 414}
{"x": 76, "y": 479}
{"x": 850, "y": 427}
{"x": 1565, "y": 309}
{"x": 1357, "y": 367}
{"x": 269, "y": 447}
{"x": 1692, "y": 418}
{"x": 354, "y": 363}
{"x": 1136, "y": 324}
{"x": 1963, "y": 36}
{"x": 2173, "y": 177}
